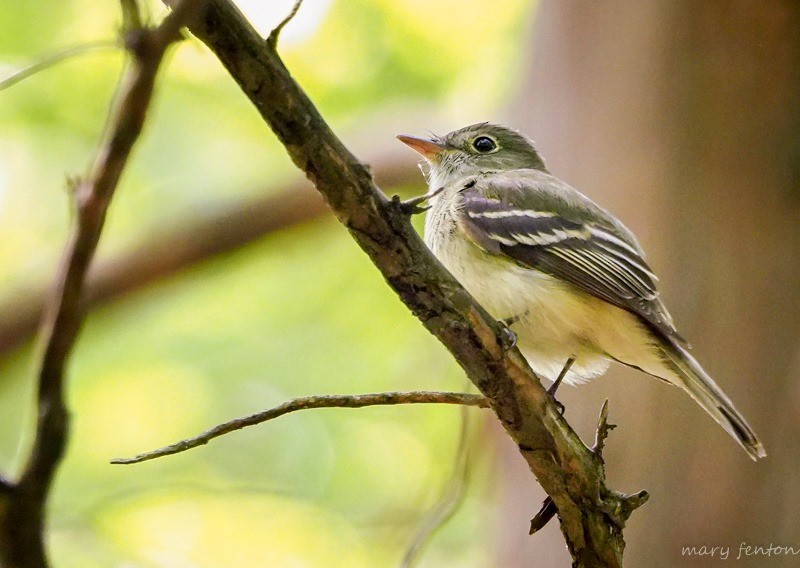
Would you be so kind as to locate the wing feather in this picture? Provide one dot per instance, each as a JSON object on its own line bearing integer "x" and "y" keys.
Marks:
{"x": 589, "y": 252}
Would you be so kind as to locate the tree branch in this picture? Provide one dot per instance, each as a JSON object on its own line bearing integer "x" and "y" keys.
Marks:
{"x": 276, "y": 32}
{"x": 306, "y": 403}
{"x": 548, "y": 509}
{"x": 22, "y": 507}
{"x": 56, "y": 58}
{"x": 177, "y": 246}
{"x": 592, "y": 516}
{"x": 603, "y": 429}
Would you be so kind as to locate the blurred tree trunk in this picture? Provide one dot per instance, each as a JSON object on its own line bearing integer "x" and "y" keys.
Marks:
{"x": 683, "y": 118}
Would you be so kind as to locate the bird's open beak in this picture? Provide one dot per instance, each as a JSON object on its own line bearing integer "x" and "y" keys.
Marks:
{"x": 429, "y": 149}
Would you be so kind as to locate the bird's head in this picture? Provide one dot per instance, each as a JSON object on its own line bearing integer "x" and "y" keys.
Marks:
{"x": 473, "y": 150}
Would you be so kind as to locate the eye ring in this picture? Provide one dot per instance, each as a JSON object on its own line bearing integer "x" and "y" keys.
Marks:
{"x": 484, "y": 144}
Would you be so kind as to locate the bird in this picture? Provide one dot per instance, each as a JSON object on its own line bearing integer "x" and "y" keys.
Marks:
{"x": 566, "y": 276}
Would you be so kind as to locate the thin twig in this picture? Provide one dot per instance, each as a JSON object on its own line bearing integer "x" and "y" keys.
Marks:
{"x": 603, "y": 429}
{"x": 546, "y": 512}
{"x": 548, "y": 509}
{"x": 306, "y": 403}
{"x": 273, "y": 36}
{"x": 23, "y": 509}
{"x": 56, "y": 58}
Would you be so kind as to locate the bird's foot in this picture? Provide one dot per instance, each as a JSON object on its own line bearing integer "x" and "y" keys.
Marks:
{"x": 509, "y": 338}
{"x": 508, "y": 322}
{"x": 558, "y": 404}
{"x": 414, "y": 205}
{"x": 554, "y": 387}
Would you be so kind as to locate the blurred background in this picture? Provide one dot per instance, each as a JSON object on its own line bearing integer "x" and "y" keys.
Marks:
{"x": 223, "y": 287}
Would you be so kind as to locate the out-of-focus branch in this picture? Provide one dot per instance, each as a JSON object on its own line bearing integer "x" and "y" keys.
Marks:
{"x": 52, "y": 60}
{"x": 592, "y": 516}
{"x": 454, "y": 491}
{"x": 306, "y": 403}
{"x": 22, "y": 506}
{"x": 173, "y": 248}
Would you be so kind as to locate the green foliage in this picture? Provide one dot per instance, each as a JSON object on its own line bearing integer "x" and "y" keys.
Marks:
{"x": 301, "y": 312}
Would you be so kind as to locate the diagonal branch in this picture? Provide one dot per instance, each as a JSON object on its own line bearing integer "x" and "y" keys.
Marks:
{"x": 592, "y": 516}
{"x": 22, "y": 507}
{"x": 306, "y": 403}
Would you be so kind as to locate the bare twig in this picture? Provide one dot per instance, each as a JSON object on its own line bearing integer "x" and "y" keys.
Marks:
{"x": 56, "y": 58}
{"x": 548, "y": 509}
{"x": 275, "y": 33}
{"x": 306, "y": 403}
{"x": 22, "y": 509}
{"x": 603, "y": 429}
{"x": 545, "y": 514}
{"x": 592, "y": 516}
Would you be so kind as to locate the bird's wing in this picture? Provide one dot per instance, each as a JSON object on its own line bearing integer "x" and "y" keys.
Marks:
{"x": 540, "y": 222}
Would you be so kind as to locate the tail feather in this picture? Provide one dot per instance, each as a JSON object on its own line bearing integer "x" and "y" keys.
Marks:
{"x": 707, "y": 394}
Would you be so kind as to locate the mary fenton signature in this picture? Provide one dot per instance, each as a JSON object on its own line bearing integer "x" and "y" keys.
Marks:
{"x": 745, "y": 550}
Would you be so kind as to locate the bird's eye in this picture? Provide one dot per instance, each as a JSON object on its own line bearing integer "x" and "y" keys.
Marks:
{"x": 484, "y": 144}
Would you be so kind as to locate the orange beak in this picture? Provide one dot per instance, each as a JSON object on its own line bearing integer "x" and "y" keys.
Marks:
{"x": 429, "y": 149}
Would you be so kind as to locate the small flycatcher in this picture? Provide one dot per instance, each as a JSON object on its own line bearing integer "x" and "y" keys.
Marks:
{"x": 570, "y": 278}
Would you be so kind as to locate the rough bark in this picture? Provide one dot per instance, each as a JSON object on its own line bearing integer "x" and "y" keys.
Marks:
{"x": 592, "y": 516}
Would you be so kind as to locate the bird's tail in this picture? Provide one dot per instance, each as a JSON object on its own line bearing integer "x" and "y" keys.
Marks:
{"x": 707, "y": 394}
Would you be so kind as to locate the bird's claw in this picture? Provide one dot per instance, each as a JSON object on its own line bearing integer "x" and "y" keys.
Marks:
{"x": 411, "y": 206}
{"x": 508, "y": 338}
{"x": 554, "y": 387}
{"x": 559, "y": 405}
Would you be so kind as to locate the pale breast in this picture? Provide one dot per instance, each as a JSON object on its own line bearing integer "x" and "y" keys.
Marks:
{"x": 553, "y": 317}
{"x": 504, "y": 288}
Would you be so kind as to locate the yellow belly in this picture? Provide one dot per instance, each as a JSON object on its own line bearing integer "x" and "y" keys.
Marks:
{"x": 555, "y": 320}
